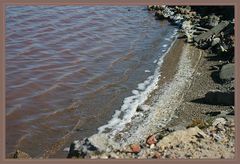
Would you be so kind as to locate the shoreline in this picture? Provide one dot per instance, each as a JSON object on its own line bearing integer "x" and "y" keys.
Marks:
{"x": 176, "y": 121}
{"x": 176, "y": 81}
{"x": 161, "y": 133}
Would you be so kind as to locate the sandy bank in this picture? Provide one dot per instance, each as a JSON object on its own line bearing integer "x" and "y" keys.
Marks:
{"x": 178, "y": 68}
{"x": 175, "y": 122}
{"x": 182, "y": 118}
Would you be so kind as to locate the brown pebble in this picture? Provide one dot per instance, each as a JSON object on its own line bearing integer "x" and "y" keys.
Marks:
{"x": 135, "y": 148}
{"x": 151, "y": 140}
{"x": 157, "y": 155}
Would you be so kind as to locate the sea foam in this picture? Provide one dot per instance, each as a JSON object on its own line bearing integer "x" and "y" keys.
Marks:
{"x": 130, "y": 104}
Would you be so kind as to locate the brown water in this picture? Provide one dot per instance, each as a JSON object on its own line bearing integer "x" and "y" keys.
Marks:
{"x": 68, "y": 68}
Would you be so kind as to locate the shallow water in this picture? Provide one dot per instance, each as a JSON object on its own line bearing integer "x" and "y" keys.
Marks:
{"x": 68, "y": 68}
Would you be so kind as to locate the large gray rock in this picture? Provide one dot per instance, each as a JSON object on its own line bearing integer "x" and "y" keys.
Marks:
{"x": 159, "y": 15}
{"x": 217, "y": 97}
{"x": 214, "y": 31}
{"x": 96, "y": 144}
{"x": 180, "y": 136}
{"x": 213, "y": 20}
{"x": 227, "y": 72}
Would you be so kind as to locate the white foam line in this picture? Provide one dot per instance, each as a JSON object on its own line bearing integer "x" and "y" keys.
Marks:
{"x": 167, "y": 39}
{"x": 165, "y": 45}
{"x": 130, "y": 104}
{"x": 162, "y": 111}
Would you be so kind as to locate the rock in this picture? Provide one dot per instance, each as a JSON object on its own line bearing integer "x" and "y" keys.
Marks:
{"x": 227, "y": 72}
{"x": 187, "y": 25}
{"x": 192, "y": 13}
{"x": 99, "y": 142}
{"x": 167, "y": 12}
{"x": 150, "y": 7}
{"x": 151, "y": 140}
{"x": 21, "y": 155}
{"x": 217, "y": 97}
{"x": 215, "y": 41}
{"x": 210, "y": 21}
{"x": 157, "y": 155}
{"x": 142, "y": 108}
{"x": 176, "y": 19}
{"x": 183, "y": 10}
{"x": 96, "y": 144}
{"x": 152, "y": 146}
{"x": 187, "y": 28}
{"x": 135, "y": 148}
{"x": 231, "y": 113}
{"x": 67, "y": 149}
{"x": 219, "y": 121}
{"x": 199, "y": 136}
{"x": 180, "y": 136}
{"x": 159, "y": 15}
{"x": 213, "y": 20}
{"x": 188, "y": 8}
{"x": 214, "y": 31}
{"x": 189, "y": 36}
{"x": 164, "y": 13}
{"x": 74, "y": 149}
{"x": 113, "y": 156}
{"x": 103, "y": 156}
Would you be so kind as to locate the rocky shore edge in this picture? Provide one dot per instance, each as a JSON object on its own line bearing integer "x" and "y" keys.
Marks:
{"x": 212, "y": 137}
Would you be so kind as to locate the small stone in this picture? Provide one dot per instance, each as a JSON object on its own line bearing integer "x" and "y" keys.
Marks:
{"x": 219, "y": 121}
{"x": 103, "y": 156}
{"x": 142, "y": 108}
{"x": 157, "y": 155}
{"x": 151, "y": 140}
{"x": 152, "y": 146}
{"x": 135, "y": 148}
{"x": 94, "y": 157}
{"x": 200, "y": 135}
{"x": 215, "y": 41}
{"x": 67, "y": 149}
{"x": 114, "y": 156}
{"x": 188, "y": 155}
{"x": 217, "y": 137}
{"x": 21, "y": 155}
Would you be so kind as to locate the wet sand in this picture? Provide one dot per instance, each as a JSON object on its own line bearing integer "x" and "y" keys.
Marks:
{"x": 193, "y": 105}
{"x": 169, "y": 66}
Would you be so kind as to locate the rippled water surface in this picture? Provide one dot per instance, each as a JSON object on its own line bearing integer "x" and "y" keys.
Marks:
{"x": 68, "y": 68}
